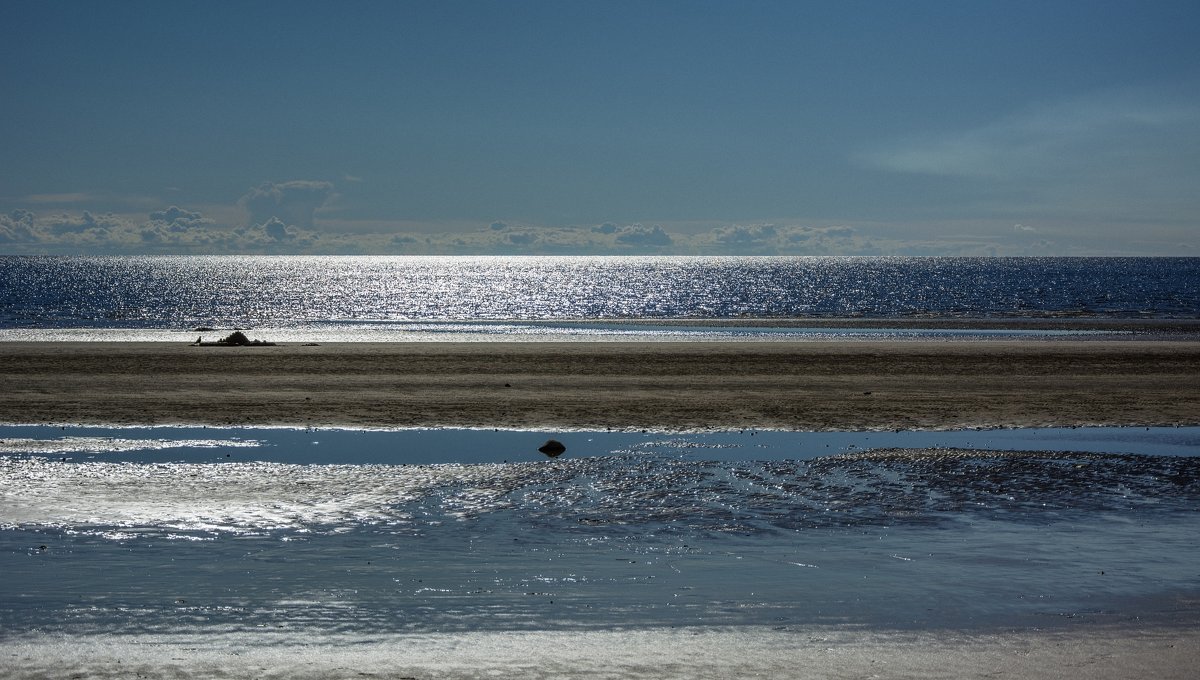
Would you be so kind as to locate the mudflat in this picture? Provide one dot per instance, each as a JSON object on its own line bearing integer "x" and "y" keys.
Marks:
{"x": 596, "y": 385}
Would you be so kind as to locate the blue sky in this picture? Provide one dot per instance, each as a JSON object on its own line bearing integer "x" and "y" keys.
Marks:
{"x": 940, "y": 128}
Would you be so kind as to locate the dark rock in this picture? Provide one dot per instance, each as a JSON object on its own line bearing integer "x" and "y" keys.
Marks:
{"x": 552, "y": 448}
{"x": 234, "y": 339}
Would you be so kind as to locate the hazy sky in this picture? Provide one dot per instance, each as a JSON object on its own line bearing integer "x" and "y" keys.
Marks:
{"x": 835, "y": 127}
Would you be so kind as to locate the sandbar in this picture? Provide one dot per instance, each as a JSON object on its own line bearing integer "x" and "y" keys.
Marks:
{"x": 806, "y": 386}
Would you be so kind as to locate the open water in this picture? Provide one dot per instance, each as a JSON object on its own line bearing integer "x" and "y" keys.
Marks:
{"x": 325, "y": 299}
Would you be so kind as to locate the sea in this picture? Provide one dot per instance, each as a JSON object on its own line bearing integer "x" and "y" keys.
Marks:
{"x": 384, "y": 299}
{"x": 438, "y": 553}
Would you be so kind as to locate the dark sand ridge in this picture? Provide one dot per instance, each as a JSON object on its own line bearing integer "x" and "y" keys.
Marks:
{"x": 698, "y": 385}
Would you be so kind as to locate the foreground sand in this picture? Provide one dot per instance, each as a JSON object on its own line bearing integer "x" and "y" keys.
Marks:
{"x": 689, "y": 653}
{"x": 806, "y": 386}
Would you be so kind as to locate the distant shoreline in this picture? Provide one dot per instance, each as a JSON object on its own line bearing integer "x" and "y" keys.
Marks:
{"x": 633, "y": 330}
{"x": 1041, "y": 322}
{"x": 861, "y": 385}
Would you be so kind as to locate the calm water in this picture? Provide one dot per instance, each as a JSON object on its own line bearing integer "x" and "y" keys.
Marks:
{"x": 309, "y": 533}
{"x": 382, "y": 298}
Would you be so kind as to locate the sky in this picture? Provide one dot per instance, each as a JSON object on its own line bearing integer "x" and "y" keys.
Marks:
{"x": 957, "y": 127}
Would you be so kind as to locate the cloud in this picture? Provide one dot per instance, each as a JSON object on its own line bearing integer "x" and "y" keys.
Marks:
{"x": 293, "y": 202}
{"x": 1095, "y": 132}
{"x": 638, "y": 235}
{"x": 738, "y": 235}
{"x": 275, "y": 236}
{"x": 276, "y": 230}
{"x": 1103, "y": 163}
{"x": 522, "y": 239}
{"x": 177, "y": 219}
{"x": 173, "y": 214}
{"x": 840, "y": 232}
{"x": 177, "y": 230}
{"x": 1105, "y": 157}
{"x": 17, "y": 227}
{"x": 781, "y": 239}
{"x": 525, "y": 238}
{"x": 173, "y": 230}
{"x": 65, "y": 224}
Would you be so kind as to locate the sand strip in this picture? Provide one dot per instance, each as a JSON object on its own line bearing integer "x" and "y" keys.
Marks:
{"x": 803, "y": 385}
{"x": 650, "y": 653}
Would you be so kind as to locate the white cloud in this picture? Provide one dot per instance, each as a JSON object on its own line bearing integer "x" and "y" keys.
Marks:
{"x": 1094, "y": 133}
{"x": 276, "y": 230}
{"x": 741, "y": 236}
{"x": 293, "y": 202}
{"x": 177, "y": 219}
{"x": 751, "y": 234}
{"x": 1104, "y": 167}
{"x": 17, "y": 227}
{"x": 173, "y": 230}
{"x": 178, "y": 230}
{"x": 523, "y": 238}
{"x": 86, "y": 223}
{"x": 636, "y": 235}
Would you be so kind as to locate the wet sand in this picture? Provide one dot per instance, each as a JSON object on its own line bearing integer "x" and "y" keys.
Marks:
{"x": 671, "y": 386}
{"x": 1105, "y": 654}
{"x": 807, "y": 386}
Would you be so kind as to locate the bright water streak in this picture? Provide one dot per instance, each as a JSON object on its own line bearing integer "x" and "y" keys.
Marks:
{"x": 181, "y": 293}
{"x": 648, "y": 530}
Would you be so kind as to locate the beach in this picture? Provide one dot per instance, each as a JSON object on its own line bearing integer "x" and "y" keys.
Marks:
{"x": 301, "y": 570}
{"x": 622, "y": 654}
{"x": 868, "y": 385}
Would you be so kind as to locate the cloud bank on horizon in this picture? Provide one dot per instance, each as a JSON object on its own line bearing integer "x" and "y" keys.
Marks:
{"x": 671, "y": 127}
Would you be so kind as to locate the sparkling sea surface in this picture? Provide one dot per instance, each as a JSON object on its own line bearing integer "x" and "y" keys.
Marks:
{"x": 326, "y": 299}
